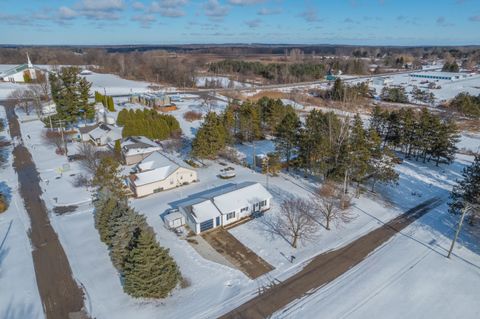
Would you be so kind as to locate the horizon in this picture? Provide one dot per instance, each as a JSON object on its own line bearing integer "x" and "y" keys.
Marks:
{"x": 223, "y": 22}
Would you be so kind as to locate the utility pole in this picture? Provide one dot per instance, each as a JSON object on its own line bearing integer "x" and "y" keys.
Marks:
{"x": 464, "y": 211}
{"x": 268, "y": 169}
{"x": 254, "y": 166}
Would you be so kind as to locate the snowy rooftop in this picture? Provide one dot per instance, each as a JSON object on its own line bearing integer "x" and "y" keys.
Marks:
{"x": 138, "y": 145}
{"x": 103, "y": 129}
{"x": 154, "y": 175}
{"x": 244, "y": 195}
{"x": 204, "y": 211}
{"x": 156, "y": 160}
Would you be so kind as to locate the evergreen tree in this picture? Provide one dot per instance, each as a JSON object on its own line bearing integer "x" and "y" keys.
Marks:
{"x": 107, "y": 177}
{"x": 125, "y": 229}
{"x": 287, "y": 136}
{"x": 467, "y": 191}
{"x": 381, "y": 164}
{"x": 149, "y": 271}
{"x": 210, "y": 139}
{"x": 359, "y": 150}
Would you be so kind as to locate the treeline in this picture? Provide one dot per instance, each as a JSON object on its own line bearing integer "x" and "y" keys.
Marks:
{"x": 344, "y": 92}
{"x": 239, "y": 123}
{"x": 70, "y": 92}
{"x": 466, "y": 104}
{"x": 106, "y": 100}
{"x": 148, "y": 123}
{"x": 147, "y": 269}
{"x": 288, "y": 72}
{"x": 420, "y": 135}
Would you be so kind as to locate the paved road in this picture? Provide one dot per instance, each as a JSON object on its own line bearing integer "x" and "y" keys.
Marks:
{"x": 62, "y": 298}
{"x": 327, "y": 267}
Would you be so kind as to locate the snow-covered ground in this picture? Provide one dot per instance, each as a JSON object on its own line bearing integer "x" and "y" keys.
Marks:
{"x": 215, "y": 288}
{"x": 19, "y": 297}
{"x": 224, "y": 82}
{"x": 115, "y": 85}
{"x": 448, "y": 90}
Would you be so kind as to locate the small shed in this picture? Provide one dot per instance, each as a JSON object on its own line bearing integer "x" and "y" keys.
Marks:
{"x": 174, "y": 220}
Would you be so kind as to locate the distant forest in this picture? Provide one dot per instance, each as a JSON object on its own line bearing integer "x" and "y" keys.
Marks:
{"x": 178, "y": 65}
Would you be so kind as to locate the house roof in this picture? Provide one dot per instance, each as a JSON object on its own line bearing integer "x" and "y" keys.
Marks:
{"x": 244, "y": 194}
{"x": 154, "y": 175}
{"x": 103, "y": 129}
{"x": 156, "y": 160}
{"x": 204, "y": 211}
{"x": 138, "y": 145}
{"x": 87, "y": 129}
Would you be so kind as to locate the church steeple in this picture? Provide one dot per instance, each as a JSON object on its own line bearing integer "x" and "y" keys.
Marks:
{"x": 29, "y": 63}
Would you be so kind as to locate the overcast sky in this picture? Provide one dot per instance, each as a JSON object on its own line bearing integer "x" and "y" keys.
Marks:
{"x": 367, "y": 22}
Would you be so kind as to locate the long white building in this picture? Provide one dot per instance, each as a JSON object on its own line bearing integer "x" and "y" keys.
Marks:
{"x": 21, "y": 73}
{"x": 225, "y": 206}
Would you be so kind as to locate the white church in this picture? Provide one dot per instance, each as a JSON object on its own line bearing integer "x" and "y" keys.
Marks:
{"x": 21, "y": 73}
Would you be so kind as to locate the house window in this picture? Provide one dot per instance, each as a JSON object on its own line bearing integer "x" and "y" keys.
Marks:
{"x": 244, "y": 209}
{"x": 262, "y": 203}
{"x": 171, "y": 182}
{"x": 230, "y": 215}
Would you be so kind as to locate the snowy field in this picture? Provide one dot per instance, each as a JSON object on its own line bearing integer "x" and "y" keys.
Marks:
{"x": 448, "y": 90}
{"x": 19, "y": 297}
{"x": 115, "y": 85}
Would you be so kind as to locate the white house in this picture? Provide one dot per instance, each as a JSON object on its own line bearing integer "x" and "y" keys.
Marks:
{"x": 225, "y": 206}
{"x": 20, "y": 73}
{"x": 157, "y": 173}
{"x": 136, "y": 148}
{"x": 103, "y": 134}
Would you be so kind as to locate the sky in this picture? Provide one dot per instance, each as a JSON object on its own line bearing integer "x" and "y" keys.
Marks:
{"x": 359, "y": 22}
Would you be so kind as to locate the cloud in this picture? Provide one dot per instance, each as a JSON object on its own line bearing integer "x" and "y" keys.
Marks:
{"x": 269, "y": 11}
{"x": 65, "y": 13}
{"x": 138, "y": 5}
{"x": 255, "y": 23}
{"x": 474, "y": 18}
{"x": 245, "y": 2}
{"x": 101, "y": 5}
{"x": 145, "y": 20}
{"x": 168, "y": 8}
{"x": 214, "y": 9}
{"x": 310, "y": 15}
{"x": 442, "y": 21}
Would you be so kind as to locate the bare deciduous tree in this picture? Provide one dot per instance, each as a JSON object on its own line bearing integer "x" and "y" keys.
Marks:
{"x": 326, "y": 206}
{"x": 89, "y": 158}
{"x": 294, "y": 222}
{"x": 55, "y": 138}
{"x": 20, "y": 98}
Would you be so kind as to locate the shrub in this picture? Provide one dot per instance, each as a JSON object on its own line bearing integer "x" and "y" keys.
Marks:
{"x": 192, "y": 116}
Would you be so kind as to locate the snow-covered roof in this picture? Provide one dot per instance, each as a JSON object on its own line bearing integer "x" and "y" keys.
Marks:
{"x": 154, "y": 175}
{"x": 173, "y": 216}
{"x": 204, "y": 210}
{"x": 156, "y": 160}
{"x": 104, "y": 129}
{"x": 138, "y": 145}
{"x": 244, "y": 195}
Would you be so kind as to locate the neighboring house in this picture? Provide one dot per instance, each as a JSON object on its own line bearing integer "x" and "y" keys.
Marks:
{"x": 20, "y": 73}
{"x": 85, "y": 132}
{"x": 225, "y": 206}
{"x": 157, "y": 173}
{"x": 136, "y": 148}
{"x": 104, "y": 134}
